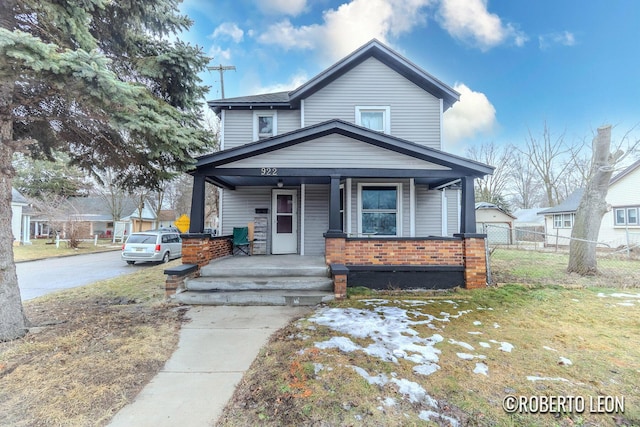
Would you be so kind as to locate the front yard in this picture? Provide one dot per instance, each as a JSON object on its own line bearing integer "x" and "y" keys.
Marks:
{"x": 384, "y": 358}
{"x": 398, "y": 359}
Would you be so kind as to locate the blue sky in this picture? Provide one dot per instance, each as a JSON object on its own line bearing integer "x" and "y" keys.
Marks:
{"x": 518, "y": 64}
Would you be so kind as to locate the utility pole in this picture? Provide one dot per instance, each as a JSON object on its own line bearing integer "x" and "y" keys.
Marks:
{"x": 222, "y": 69}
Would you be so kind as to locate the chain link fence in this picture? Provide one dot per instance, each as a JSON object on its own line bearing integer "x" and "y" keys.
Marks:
{"x": 533, "y": 257}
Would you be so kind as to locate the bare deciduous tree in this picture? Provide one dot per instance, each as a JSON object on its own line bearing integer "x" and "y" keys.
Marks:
{"x": 492, "y": 188}
{"x": 547, "y": 156}
{"x": 593, "y": 205}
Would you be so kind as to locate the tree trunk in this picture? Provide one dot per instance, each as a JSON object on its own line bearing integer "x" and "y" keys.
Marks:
{"x": 13, "y": 323}
{"x": 582, "y": 254}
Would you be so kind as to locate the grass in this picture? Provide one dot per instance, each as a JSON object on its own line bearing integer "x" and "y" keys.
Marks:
{"x": 91, "y": 352}
{"x": 549, "y": 268}
{"x": 595, "y": 333}
{"x": 44, "y": 248}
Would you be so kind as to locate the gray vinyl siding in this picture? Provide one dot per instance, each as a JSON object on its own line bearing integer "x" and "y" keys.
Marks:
{"x": 415, "y": 113}
{"x": 288, "y": 120}
{"x": 428, "y": 212}
{"x": 316, "y": 221}
{"x": 238, "y": 125}
{"x": 238, "y": 128}
{"x": 334, "y": 151}
{"x": 239, "y": 207}
{"x": 452, "y": 212}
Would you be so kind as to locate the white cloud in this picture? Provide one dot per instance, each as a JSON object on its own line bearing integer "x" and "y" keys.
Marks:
{"x": 350, "y": 26}
{"x": 229, "y": 29}
{"x": 285, "y": 35}
{"x": 564, "y": 38}
{"x": 473, "y": 114}
{"x": 295, "y": 81}
{"x": 282, "y": 7}
{"x": 471, "y": 22}
{"x": 218, "y": 54}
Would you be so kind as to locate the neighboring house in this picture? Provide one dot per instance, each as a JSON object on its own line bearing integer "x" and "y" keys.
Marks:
{"x": 495, "y": 222}
{"x": 349, "y": 166}
{"x": 620, "y": 224}
{"x": 92, "y": 215}
{"x": 20, "y": 217}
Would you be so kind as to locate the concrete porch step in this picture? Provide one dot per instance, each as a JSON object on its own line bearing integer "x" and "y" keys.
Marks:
{"x": 264, "y": 267}
{"x": 255, "y": 297}
{"x": 262, "y": 283}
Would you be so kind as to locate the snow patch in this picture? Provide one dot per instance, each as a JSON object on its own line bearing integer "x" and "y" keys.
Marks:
{"x": 477, "y": 323}
{"x": 484, "y": 344}
{"x": 461, "y": 344}
{"x": 495, "y": 325}
{"x": 474, "y": 333}
{"x": 504, "y": 346}
{"x": 549, "y": 348}
{"x": 467, "y": 356}
{"x": 380, "y": 379}
{"x": 565, "y": 361}
{"x": 426, "y": 369}
{"x": 431, "y": 416}
{"x": 342, "y": 343}
{"x": 481, "y": 368}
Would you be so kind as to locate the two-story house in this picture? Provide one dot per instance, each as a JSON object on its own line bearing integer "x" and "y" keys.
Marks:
{"x": 349, "y": 166}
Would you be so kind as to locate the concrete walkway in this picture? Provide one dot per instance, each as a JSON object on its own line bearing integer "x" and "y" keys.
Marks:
{"x": 215, "y": 349}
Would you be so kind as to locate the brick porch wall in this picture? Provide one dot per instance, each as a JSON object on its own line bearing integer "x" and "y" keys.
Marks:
{"x": 414, "y": 251}
{"x": 197, "y": 250}
{"x": 466, "y": 251}
{"x": 200, "y": 250}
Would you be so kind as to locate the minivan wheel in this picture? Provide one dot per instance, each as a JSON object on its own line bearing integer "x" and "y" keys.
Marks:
{"x": 165, "y": 258}
{"x": 131, "y": 262}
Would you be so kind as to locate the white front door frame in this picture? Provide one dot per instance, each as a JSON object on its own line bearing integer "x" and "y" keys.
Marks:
{"x": 284, "y": 239}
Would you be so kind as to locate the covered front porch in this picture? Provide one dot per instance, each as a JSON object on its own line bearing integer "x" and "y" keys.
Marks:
{"x": 370, "y": 204}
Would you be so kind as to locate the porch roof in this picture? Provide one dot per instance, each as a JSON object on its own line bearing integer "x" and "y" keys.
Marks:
{"x": 446, "y": 168}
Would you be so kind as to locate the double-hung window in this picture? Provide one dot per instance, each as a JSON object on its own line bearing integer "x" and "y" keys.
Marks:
{"x": 563, "y": 220}
{"x": 377, "y": 118}
{"x": 626, "y": 216}
{"x": 379, "y": 206}
{"x": 265, "y": 124}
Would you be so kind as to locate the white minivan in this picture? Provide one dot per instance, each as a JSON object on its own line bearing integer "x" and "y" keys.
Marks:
{"x": 154, "y": 245}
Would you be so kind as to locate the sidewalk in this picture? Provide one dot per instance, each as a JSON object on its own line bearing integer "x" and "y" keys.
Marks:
{"x": 215, "y": 349}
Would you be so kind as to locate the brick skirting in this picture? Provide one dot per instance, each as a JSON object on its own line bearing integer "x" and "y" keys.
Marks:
{"x": 463, "y": 250}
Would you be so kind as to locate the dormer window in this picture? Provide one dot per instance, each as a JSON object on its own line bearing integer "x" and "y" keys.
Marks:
{"x": 377, "y": 118}
{"x": 265, "y": 124}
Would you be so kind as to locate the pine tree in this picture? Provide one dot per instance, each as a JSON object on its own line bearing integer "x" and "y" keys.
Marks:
{"x": 105, "y": 82}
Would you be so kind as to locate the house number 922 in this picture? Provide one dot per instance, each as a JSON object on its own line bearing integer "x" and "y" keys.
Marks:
{"x": 269, "y": 171}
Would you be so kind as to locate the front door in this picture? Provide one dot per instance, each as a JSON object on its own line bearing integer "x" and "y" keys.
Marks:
{"x": 284, "y": 222}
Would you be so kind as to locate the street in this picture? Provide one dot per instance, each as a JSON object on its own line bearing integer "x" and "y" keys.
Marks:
{"x": 37, "y": 278}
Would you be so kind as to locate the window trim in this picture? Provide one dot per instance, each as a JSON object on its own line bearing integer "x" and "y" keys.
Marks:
{"x": 625, "y": 210}
{"x": 386, "y": 117}
{"x": 398, "y": 188}
{"x": 264, "y": 113}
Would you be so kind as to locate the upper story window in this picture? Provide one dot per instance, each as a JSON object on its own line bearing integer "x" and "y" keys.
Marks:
{"x": 265, "y": 124}
{"x": 626, "y": 216}
{"x": 373, "y": 117}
